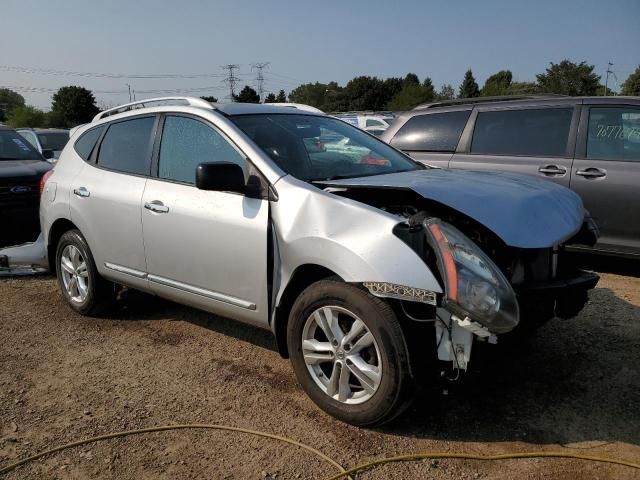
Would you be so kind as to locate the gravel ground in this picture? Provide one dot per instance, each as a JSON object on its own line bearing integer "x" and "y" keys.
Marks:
{"x": 574, "y": 387}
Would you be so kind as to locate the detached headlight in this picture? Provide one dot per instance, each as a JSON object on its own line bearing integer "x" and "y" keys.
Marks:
{"x": 474, "y": 286}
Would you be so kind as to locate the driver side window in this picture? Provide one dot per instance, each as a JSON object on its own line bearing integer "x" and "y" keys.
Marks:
{"x": 187, "y": 142}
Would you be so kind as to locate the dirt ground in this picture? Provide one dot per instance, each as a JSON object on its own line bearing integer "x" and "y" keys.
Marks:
{"x": 574, "y": 387}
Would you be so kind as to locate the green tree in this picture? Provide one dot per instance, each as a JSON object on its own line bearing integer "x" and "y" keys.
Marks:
{"x": 497, "y": 84}
{"x": 310, "y": 94}
{"x": 468, "y": 88}
{"x": 411, "y": 79}
{"x": 522, "y": 88}
{"x": 26, "y": 116}
{"x": 247, "y": 95}
{"x": 282, "y": 97}
{"x": 631, "y": 85}
{"x": 8, "y": 101}
{"x": 429, "y": 91}
{"x": 365, "y": 93}
{"x": 568, "y": 78}
{"x": 210, "y": 99}
{"x": 72, "y": 106}
{"x": 271, "y": 98}
{"x": 446, "y": 92}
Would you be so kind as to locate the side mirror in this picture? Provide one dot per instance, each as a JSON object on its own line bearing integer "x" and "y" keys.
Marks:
{"x": 220, "y": 177}
{"x": 47, "y": 154}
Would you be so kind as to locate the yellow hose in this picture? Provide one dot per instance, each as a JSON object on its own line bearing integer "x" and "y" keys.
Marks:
{"x": 343, "y": 473}
{"x": 99, "y": 438}
{"x": 471, "y": 456}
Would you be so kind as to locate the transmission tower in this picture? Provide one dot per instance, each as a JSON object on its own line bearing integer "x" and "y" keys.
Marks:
{"x": 606, "y": 82}
{"x": 231, "y": 80}
{"x": 259, "y": 77}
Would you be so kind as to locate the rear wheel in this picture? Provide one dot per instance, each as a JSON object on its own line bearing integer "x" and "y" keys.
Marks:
{"x": 81, "y": 284}
{"x": 348, "y": 352}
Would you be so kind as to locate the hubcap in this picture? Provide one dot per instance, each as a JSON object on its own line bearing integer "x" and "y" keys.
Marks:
{"x": 341, "y": 354}
{"x": 75, "y": 275}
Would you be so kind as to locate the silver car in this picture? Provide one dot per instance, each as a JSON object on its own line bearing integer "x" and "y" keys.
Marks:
{"x": 372, "y": 271}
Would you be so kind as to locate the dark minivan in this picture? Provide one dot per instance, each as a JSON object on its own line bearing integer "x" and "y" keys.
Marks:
{"x": 588, "y": 144}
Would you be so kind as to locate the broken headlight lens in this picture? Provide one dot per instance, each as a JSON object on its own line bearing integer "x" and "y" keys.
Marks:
{"x": 474, "y": 285}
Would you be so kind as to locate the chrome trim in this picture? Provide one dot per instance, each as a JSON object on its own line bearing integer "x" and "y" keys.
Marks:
{"x": 127, "y": 270}
{"x": 221, "y": 297}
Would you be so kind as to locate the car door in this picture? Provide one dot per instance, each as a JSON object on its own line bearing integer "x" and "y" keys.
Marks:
{"x": 431, "y": 137}
{"x": 207, "y": 249}
{"x": 606, "y": 173}
{"x": 105, "y": 199}
{"x": 532, "y": 141}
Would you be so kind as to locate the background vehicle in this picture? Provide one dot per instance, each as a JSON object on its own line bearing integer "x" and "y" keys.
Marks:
{"x": 591, "y": 145}
{"x": 48, "y": 141}
{"x": 299, "y": 106}
{"x": 21, "y": 168}
{"x": 372, "y": 122}
{"x": 352, "y": 261}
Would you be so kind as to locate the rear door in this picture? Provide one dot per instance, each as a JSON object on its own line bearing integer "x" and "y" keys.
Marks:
{"x": 106, "y": 194}
{"x": 534, "y": 141}
{"x": 606, "y": 173}
{"x": 431, "y": 137}
{"x": 207, "y": 249}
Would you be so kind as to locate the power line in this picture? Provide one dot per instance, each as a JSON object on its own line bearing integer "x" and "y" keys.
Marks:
{"x": 231, "y": 79}
{"x": 22, "y": 88}
{"x": 44, "y": 71}
{"x": 260, "y": 77}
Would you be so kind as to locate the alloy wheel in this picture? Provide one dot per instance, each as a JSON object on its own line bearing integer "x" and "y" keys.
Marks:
{"x": 75, "y": 275}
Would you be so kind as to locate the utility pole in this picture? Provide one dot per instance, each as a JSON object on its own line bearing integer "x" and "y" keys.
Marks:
{"x": 259, "y": 77}
{"x": 606, "y": 82}
{"x": 129, "y": 87}
{"x": 231, "y": 80}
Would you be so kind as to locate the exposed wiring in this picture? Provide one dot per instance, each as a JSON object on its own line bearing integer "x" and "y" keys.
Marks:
{"x": 125, "y": 433}
{"x": 455, "y": 355}
{"x": 472, "y": 456}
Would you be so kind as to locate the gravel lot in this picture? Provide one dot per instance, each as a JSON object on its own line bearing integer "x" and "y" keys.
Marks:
{"x": 575, "y": 387}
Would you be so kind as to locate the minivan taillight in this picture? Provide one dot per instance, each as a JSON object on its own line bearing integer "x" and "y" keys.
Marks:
{"x": 44, "y": 179}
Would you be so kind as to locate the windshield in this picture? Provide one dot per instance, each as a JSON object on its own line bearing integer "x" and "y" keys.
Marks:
{"x": 314, "y": 148}
{"x": 53, "y": 141}
{"x": 14, "y": 147}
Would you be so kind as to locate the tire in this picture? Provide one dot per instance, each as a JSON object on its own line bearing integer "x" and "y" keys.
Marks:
{"x": 386, "y": 389}
{"x": 97, "y": 294}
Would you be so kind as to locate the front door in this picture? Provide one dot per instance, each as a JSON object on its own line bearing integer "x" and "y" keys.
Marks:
{"x": 606, "y": 174}
{"x": 204, "y": 248}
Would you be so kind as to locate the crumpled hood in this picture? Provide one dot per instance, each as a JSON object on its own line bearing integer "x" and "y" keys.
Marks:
{"x": 525, "y": 212}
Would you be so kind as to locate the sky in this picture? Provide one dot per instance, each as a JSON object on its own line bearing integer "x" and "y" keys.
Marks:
{"x": 303, "y": 41}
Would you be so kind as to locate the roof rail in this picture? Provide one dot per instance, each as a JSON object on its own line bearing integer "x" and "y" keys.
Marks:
{"x": 499, "y": 98}
{"x": 192, "y": 101}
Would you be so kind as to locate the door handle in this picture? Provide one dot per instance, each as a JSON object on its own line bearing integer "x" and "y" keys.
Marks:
{"x": 552, "y": 170}
{"x": 592, "y": 172}
{"x": 81, "y": 192}
{"x": 156, "y": 206}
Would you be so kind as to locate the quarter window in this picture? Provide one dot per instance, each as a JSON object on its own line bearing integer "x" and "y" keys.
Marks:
{"x": 374, "y": 123}
{"x": 126, "y": 147}
{"x": 186, "y": 143}
{"x": 84, "y": 145}
{"x": 614, "y": 134}
{"x": 531, "y": 132}
{"x": 434, "y": 132}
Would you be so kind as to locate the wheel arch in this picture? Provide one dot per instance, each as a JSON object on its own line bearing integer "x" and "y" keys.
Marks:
{"x": 58, "y": 228}
{"x": 302, "y": 277}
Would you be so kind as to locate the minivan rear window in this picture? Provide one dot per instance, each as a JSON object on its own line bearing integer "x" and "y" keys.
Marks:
{"x": 529, "y": 132}
{"x": 126, "y": 147}
{"x": 432, "y": 132}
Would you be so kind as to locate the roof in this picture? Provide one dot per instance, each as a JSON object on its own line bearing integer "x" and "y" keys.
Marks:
{"x": 253, "y": 108}
{"x": 45, "y": 130}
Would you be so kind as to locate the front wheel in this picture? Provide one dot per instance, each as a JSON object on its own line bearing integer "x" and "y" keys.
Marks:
{"x": 349, "y": 353}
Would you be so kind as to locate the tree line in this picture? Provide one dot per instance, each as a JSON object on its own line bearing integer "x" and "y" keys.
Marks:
{"x": 75, "y": 105}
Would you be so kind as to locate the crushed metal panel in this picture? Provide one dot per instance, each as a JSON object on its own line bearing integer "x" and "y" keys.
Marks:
{"x": 525, "y": 212}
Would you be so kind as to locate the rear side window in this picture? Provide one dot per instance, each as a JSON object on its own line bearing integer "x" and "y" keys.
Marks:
{"x": 531, "y": 132}
{"x": 186, "y": 143}
{"x": 126, "y": 147}
{"x": 434, "y": 132}
{"x": 372, "y": 122}
{"x": 84, "y": 145}
{"x": 614, "y": 134}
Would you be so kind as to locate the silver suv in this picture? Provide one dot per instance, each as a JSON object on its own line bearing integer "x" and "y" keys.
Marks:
{"x": 371, "y": 270}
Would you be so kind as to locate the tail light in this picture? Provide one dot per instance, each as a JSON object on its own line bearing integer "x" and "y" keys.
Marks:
{"x": 44, "y": 179}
